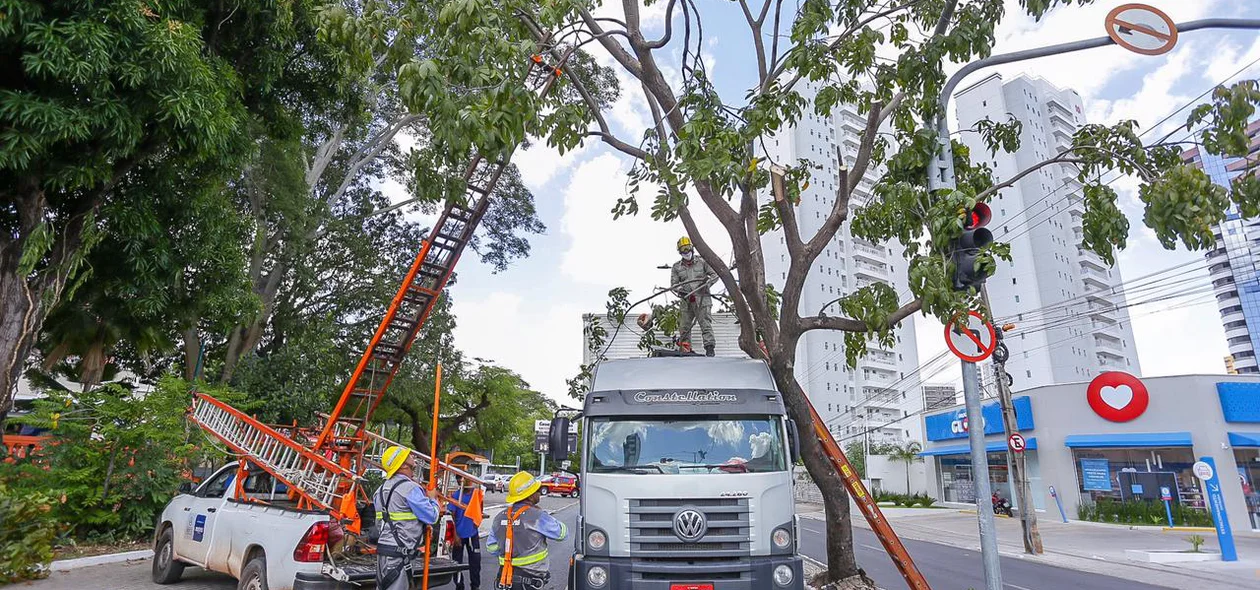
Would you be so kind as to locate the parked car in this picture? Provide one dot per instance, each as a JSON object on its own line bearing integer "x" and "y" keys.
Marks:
{"x": 560, "y": 485}
{"x": 261, "y": 539}
{"x": 496, "y": 482}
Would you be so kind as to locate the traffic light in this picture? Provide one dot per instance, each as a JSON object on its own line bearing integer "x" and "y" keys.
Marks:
{"x": 966, "y": 248}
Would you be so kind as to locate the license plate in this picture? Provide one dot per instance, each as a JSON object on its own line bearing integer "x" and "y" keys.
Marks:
{"x": 691, "y": 587}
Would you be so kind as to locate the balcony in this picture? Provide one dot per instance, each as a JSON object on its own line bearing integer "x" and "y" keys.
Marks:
{"x": 874, "y": 271}
{"x": 1090, "y": 271}
{"x": 1237, "y": 331}
{"x": 879, "y": 357}
{"x": 861, "y": 283}
{"x": 868, "y": 250}
{"x": 1106, "y": 363}
{"x": 1065, "y": 121}
{"x": 1107, "y": 343}
{"x": 879, "y": 376}
{"x": 1220, "y": 270}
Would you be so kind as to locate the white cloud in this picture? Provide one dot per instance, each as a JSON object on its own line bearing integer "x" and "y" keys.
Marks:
{"x": 605, "y": 252}
{"x": 533, "y": 340}
{"x": 540, "y": 163}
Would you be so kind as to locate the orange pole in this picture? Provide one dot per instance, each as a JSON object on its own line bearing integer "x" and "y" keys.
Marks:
{"x": 433, "y": 465}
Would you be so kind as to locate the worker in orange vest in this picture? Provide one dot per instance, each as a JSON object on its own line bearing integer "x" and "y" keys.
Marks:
{"x": 520, "y": 534}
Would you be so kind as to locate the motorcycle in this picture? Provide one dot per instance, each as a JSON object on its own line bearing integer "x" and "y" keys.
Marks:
{"x": 1002, "y": 505}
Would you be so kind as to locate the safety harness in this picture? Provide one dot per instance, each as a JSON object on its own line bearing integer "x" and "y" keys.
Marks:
{"x": 407, "y": 554}
{"x": 506, "y": 570}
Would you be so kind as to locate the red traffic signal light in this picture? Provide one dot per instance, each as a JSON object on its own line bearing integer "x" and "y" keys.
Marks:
{"x": 977, "y": 216}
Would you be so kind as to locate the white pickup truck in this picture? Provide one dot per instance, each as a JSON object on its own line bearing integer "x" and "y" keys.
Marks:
{"x": 262, "y": 540}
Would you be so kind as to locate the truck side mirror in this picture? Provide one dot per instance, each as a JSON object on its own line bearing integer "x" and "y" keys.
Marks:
{"x": 558, "y": 439}
{"x": 794, "y": 441}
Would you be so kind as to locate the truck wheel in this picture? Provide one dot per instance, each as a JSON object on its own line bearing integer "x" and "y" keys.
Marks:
{"x": 166, "y": 570}
{"x": 546, "y": 491}
{"x": 254, "y": 576}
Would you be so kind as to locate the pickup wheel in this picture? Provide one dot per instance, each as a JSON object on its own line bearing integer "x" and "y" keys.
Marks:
{"x": 546, "y": 491}
{"x": 166, "y": 570}
{"x": 254, "y": 576}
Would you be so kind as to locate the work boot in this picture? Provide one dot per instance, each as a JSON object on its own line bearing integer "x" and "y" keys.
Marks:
{"x": 708, "y": 350}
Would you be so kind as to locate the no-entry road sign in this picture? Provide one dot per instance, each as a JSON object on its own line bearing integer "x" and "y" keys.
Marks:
{"x": 970, "y": 338}
{"x": 1016, "y": 442}
{"x": 1141, "y": 29}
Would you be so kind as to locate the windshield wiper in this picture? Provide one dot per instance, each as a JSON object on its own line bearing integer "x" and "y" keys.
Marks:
{"x": 626, "y": 468}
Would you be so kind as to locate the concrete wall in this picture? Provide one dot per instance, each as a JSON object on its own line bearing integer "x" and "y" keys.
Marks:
{"x": 892, "y": 475}
{"x": 1177, "y": 404}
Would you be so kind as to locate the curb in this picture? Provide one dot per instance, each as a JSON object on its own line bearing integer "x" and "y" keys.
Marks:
{"x": 1189, "y": 529}
{"x": 82, "y": 562}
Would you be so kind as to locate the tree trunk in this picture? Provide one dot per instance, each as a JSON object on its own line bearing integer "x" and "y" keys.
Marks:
{"x": 192, "y": 352}
{"x": 244, "y": 339}
{"x": 841, "y": 562}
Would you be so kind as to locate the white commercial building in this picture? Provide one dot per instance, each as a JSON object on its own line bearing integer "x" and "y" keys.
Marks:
{"x": 625, "y": 342}
{"x": 1071, "y": 321}
{"x": 874, "y": 394}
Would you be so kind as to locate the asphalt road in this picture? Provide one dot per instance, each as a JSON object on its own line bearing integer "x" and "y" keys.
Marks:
{"x": 951, "y": 568}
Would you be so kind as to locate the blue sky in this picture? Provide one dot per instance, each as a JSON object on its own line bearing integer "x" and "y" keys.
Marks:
{"x": 528, "y": 318}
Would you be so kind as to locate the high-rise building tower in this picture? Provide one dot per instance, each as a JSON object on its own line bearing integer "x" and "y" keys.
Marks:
{"x": 939, "y": 396}
{"x": 874, "y": 396}
{"x": 1071, "y": 322}
{"x": 1232, "y": 264}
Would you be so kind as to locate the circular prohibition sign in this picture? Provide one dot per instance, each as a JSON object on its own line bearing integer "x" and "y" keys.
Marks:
{"x": 975, "y": 334}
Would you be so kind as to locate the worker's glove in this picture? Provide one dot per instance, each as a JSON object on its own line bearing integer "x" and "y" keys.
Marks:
{"x": 692, "y": 299}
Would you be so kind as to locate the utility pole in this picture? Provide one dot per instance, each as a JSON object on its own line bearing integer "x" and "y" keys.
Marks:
{"x": 1016, "y": 463}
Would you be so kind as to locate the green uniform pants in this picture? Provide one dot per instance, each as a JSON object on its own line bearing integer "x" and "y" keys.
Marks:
{"x": 699, "y": 310}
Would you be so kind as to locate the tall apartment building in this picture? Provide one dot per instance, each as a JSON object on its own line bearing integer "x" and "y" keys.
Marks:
{"x": 1232, "y": 264}
{"x": 873, "y": 396}
{"x": 939, "y": 396}
{"x": 1071, "y": 321}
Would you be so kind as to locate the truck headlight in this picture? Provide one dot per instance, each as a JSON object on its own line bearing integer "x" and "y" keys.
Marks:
{"x": 597, "y": 576}
{"x": 783, "y": 575}
{"x": 782, "y": 539}
{"x": 596, "y": 540}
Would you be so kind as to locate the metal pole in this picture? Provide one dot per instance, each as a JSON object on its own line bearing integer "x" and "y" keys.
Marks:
{"x": 980, "y": 477}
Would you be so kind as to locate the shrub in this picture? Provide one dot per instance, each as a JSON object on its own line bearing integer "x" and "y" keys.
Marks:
{"x": 115, "y": 459}
{"x": 1195, "y": 542}
{"x": 1141, "y": 512}
{"x": 925, "y": 500}
{"x": 27, "y": 528}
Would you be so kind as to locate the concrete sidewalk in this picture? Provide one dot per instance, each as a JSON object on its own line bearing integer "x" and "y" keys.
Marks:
{"x": 1085, "y": 546}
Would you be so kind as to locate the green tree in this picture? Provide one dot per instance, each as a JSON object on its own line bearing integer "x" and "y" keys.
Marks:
{"x": 907, "y": 453}
{"x": 704, "y": 143}
{"x": 92, "y": 98}
{"x": 115, "y": 458}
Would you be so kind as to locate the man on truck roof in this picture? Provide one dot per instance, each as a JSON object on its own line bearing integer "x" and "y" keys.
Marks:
{"x": 524, "y": 529}
{"x": 690, "y": 281}
{"x": 403, "y": 509}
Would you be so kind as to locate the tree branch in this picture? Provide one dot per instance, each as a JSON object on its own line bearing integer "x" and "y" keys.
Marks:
{"x": 669, "y": 28}
{"x": 618, "y": 52}
{"x": 754, "y": 25}
{"x": 852, "y": 325}
{"x": 1059, "y": 159}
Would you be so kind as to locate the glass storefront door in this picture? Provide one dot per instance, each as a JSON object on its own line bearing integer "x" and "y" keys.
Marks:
{"x": 1248, "y": 461}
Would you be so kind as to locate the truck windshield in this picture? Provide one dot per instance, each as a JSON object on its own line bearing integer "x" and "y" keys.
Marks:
{"x": 691, "y": 446}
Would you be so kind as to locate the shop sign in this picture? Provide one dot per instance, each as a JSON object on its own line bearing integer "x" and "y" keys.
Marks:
{"x": 1096, "y": 474}
{"x": 1205, "y": 469}
{"x": 953, "y": 424}
{"x": 1117, "y": 396}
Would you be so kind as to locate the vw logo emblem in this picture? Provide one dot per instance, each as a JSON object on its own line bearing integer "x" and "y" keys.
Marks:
{"x": 690, "y": 525}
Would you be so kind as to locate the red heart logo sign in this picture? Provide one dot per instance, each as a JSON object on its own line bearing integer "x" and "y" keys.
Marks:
{"x": 1117, "y": 396}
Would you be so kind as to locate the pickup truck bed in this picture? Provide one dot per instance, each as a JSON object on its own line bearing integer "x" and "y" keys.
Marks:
{"x": 441, "y": 572}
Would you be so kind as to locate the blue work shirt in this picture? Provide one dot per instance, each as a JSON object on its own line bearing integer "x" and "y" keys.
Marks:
{"x": 425, "y": 509}
{"x": 465, "y": 528}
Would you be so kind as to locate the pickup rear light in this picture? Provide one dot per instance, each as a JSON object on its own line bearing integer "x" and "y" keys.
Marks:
{"x": 311, "y": 548}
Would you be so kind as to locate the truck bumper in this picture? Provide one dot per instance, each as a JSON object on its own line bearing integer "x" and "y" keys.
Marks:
{"x": 755, "y": 573}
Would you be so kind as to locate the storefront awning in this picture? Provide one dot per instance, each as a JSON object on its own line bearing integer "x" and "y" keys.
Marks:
{"x": 996, "y": 446}
{"x": 1244, "y": 439}
{"x": 1128, "y": 440}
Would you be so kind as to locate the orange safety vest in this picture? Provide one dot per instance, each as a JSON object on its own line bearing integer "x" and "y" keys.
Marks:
{"x": 505, "y": 575}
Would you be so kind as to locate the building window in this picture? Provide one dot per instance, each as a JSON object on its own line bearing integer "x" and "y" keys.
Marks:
{"x": 1029, "y": 374}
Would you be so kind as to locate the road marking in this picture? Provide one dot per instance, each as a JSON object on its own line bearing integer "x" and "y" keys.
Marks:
{"x": 1014, "y": 586}
{"x": 871, "y": 547}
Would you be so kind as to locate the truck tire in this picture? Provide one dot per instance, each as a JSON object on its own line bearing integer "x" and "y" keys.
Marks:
{"x": 254, "y": 576}
{"x": 546, "y": 491}
{"x": 166, "y": 570}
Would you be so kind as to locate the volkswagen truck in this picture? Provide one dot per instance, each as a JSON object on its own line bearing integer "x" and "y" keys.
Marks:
{"x": 686, "y": 471}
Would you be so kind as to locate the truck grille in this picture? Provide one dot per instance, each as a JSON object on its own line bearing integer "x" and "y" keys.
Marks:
{"x": 728, "y": 533}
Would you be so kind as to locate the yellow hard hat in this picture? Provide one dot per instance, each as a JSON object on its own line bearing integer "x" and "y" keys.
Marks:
{"x": 521, "y": 486}
{"x": 684, "y": 242}
{"x": 393, "y": 458}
